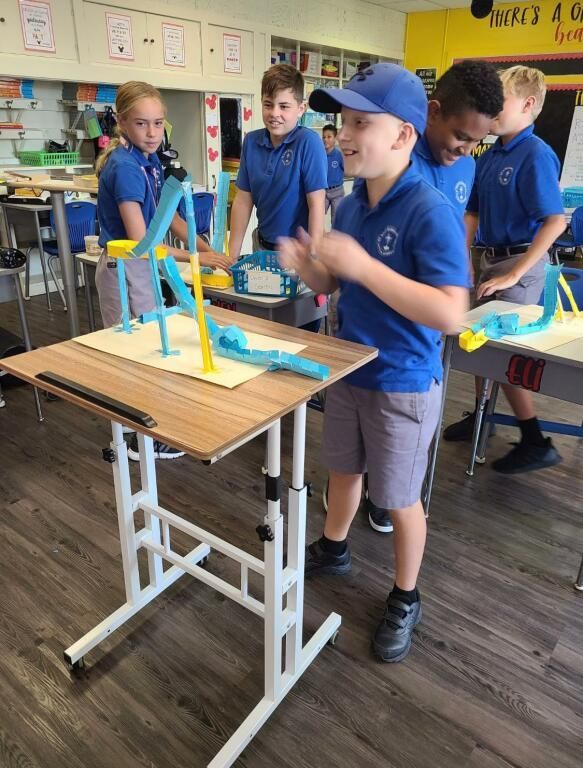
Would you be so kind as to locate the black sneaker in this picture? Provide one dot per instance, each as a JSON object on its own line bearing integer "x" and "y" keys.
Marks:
{"x": 320, "y": 563}
{"x": 161, "y": 450}
{"x": 379, "y": 519}
{"x": 526, "y": 458}
{"x": 463, "y": 430}
{"x": 392, "y": 639}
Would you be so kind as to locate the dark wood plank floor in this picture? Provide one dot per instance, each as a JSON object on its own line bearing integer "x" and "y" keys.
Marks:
{"x": 495, "y": 678}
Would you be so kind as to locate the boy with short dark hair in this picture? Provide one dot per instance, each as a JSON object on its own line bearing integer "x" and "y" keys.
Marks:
{"x": 283, "y": 171}
{"x": 517, "y": 211}
{"x": 335, "y": 189}
{"x": 398, "y": 255}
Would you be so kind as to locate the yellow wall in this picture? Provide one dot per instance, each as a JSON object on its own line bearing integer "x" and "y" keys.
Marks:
{"x": 436, "y": 39}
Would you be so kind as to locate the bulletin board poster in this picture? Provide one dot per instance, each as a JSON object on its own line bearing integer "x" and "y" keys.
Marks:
{"x": 428, "y": 76}
{"x": 572, "y": 175}
{"x": 232, "y": 53}
{"x": 37, "y": 26}
{"x": 173, "y": 38}
{"x": 119, "y": 37}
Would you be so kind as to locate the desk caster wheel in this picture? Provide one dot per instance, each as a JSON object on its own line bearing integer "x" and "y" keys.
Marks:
{"x": 203, "y": 561}
{"x": 76, "y": 667}
{"x": 334, "y": 638}
{"x": 309, "y": 490}
{"x": 2, "y": 403}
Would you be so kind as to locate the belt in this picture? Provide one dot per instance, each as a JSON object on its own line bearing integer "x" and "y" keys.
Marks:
{"x": 336, "y": 187}
{"x": 265, "y": 244}
{"x": 500, "y": 251}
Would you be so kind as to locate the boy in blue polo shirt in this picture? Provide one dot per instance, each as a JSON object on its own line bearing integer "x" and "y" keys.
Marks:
{"x": 465, "y": 101}
{"x": 335, "y": 190}
{"x": 398, "y": 255}
{"x": 461, "y": 109}
{"x": 283, "y": 171}
{"x": 517, "y": 211}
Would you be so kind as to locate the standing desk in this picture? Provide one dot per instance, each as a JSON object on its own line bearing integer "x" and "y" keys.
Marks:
{"x": 557, "y": 373}
{"x": 57, "y": 188}
{"x": 208, "y": 422}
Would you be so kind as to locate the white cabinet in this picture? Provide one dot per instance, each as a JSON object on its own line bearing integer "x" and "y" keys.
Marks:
{"x": 142, "y": 40}
{"x": 60, "y": 20}
{"x": 116, "y": 36}
{"x": 177, "y": 44}
{"x": 223, "y": 43}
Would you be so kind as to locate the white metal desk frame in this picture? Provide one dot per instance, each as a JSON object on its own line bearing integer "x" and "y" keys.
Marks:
{"x": 562, "y": 380}
{"x": 155, "y": 538}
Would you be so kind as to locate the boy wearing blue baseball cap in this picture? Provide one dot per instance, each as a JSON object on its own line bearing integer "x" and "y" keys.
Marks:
{"x": 398, "y": 256}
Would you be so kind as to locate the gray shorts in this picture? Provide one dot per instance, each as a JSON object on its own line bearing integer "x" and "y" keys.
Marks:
{"x": 387, "y": 434}
{"x": 526, "y": 291}
{"x": 140, "y": 294}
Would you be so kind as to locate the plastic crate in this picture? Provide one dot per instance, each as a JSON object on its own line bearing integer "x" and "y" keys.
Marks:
{"x": 261, "y": 274}
{"x": 40, "y": 158}
{"x": 573, "y": 197}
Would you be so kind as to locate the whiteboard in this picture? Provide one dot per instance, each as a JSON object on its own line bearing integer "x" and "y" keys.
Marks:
{"x": 572, "y": 175}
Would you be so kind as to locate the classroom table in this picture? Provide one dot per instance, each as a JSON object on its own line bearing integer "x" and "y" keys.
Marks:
{"x": 556, "y": 373}
{"x": 207, "y": 422}
{"x": 57, "y": 189}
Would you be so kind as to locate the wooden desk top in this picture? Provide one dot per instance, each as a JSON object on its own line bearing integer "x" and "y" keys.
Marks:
{"x": 53, "y": 185}
{"x": 199, "y": 418}
{"x": 570, "y": 353}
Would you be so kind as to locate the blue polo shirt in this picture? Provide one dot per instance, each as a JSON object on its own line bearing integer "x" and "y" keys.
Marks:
{"x": 279, "y": 178}
{"x": 127, "y": 176}
{"x": 455, "y": 181}
{"x": 417, "y": 232}
{"x": 516, "y": 188}
{"x": 335, "y": 168}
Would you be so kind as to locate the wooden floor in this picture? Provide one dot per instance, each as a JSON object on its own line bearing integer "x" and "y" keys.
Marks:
{"x": 494, "y": 680}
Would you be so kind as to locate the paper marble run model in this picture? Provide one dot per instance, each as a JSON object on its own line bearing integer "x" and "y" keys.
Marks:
{"x": 494, "y": 325}
{"x": 228, "y": 341}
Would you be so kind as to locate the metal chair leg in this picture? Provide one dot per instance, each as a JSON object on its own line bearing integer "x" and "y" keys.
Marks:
{"x": 88, "y": 297}
{"x": 26, "y": 335}
{"x": 55, "y": 280}
{"x": 43, "y": 263}
{"x": 478, "y": 425}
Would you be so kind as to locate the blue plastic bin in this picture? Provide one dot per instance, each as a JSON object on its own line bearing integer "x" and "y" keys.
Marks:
{"x": 265, "y": 261}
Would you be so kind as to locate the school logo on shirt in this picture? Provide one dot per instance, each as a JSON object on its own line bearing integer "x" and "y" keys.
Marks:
{"x": 287, "y": 157}
{"x": 505, "y": 175}
{"x": 334, "y": 163}
{"x": 386, "y": 241}
{"x": 461, "y": 192}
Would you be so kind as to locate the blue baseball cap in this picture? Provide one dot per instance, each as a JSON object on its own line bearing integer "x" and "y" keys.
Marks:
{"x": 381, "y": 88}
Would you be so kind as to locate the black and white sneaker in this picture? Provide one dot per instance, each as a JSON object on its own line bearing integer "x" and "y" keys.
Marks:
{"x": 161, "y": 450}
{"x": 379, "y": 519}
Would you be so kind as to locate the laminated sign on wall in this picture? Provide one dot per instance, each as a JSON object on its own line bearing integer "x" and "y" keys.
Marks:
{"x": 37, "y": 26}
{"x": 173, "y": 35}
{"x": 119, "y": 36}
{"x": 572, "y": 175}
{"x": 232, "y": 53}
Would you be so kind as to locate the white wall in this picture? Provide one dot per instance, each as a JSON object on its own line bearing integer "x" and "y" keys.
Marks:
{"x": 184, "y": 112}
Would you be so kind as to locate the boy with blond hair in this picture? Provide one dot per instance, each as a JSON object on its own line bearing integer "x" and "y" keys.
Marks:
{"x": 398, "y": 256}
{"x": 517, "y": 212}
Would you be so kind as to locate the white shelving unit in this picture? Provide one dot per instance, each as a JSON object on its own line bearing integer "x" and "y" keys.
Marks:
{"x": 14, "y": 109}
{"x": 347, "y": 62}
{"x": 73, "y": 132}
